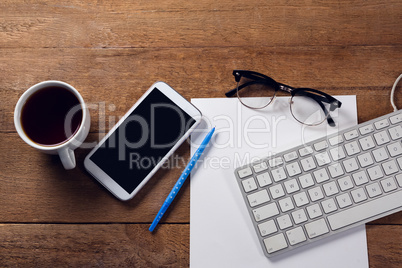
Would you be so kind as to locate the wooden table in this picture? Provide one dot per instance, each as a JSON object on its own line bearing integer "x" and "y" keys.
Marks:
{"x": 112, "y": 51}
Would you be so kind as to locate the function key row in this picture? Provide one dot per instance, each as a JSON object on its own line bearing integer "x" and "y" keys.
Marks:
{"x": 396, "y": 119}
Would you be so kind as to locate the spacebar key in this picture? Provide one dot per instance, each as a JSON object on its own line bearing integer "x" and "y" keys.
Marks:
{"x": 365, "y": 211}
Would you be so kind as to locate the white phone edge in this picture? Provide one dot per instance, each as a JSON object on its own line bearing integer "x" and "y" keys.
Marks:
{"x": 111, "y": 184}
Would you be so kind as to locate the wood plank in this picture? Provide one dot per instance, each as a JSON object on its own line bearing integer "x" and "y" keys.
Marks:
{"x": 203, "y": 24}
{"x": 110, "y": 245}
{"x": 36, "y": 188}
{"x": 111, "y": 80}
{"x": 133, "y": 245}
{"x": 384, "y": 245}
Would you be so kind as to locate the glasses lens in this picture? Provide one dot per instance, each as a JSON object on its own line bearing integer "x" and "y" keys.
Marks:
{"x": 309, "y": 108}
{"x": 255, "y": 94}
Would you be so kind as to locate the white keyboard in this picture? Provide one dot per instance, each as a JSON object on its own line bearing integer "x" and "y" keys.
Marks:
{"x": 326, "y": 186}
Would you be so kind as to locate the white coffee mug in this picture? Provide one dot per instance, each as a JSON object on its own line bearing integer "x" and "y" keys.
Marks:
{"x": 45, "y": 98}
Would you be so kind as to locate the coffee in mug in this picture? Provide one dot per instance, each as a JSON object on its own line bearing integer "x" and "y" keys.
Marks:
{"x": 52, "y": 117}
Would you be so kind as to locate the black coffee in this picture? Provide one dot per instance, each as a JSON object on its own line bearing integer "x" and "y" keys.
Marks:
{"x": 45, "y": 113}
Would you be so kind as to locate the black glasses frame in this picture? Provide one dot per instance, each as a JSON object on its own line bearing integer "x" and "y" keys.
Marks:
{"x": 258, "y": 78}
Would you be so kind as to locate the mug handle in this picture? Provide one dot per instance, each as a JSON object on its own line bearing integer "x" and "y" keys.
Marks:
{"x": 67, "y": 157}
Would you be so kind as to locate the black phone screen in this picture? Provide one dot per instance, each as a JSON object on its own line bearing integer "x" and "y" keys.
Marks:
{"x": 142, "y": 140}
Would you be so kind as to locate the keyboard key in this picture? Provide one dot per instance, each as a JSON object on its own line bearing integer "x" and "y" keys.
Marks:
{"x": 316, "y": 228}
{"x": 265, "y": 212}
{"x": 365, "y": 160}
{"x": 286, "y": 204}
{"x": 321, "y": 145}
{"x": 394, "y": 149}
{"x": 351, "y": 135}
{"x": 399, "y": 179}
{"x": 373, "y": 190}
{"x": 322, "y": 159}
{"x": 315, "y": 193}
{"x": 375, "y": 173}
{"x": 344, "y": 200}
{"x": 291, "y": 186}
{"x": 299, "y": 216}
{"x": 275, "y": 243}
{"x": 360, "y": 178}
{"x": 245, "y": 172}
{"x": 366, "y": 129}
{"x": 258, "y": 198}
{"x": 296, "y": 236}
{"x": 367, "y": 143}
{"x": 336, "y": 140}
{"x": 284, "y": 222}
{"x": 330, "y": 188}
{"x": 390, "y": 167}
{"x": 264, "y": 179}
{"x": 365, "y": 210}
{"x": 381, "y": 124}
{"x": 395, "y": 119}
{"x": 395, "y": 132}
{"x": 260, "y": 167}
{"x": 337, "y": 153}
{"x": 329, "y": 205}
{"x": 308, "y": 163}
{"x": 306, "y": 181}
{"x": 290, "y": 156}
{"x": 345, "y": 183}
{"x": 380, "y": 154}
{"x": 278, "y": 174}
{"x": 275, "y": 162}
{"x": 381, "y": 137}
{"x": 388, "y": 185}
{"x": 249, "y": 184}
{"x": 293, "y": 169}
{"x": 267, "y": 228}
{"x": 306, "y": 151}
{"x": 350, "y": 165}
{"x": 321, "y": 175}
{"x": 352, "y": 148}
{"x": 276, "y": 191}
{"x": 314, "y": 211}
{"x": 335, "y": 170}
{"x": 358, "y": 195}
{"x": 301, "y": 199}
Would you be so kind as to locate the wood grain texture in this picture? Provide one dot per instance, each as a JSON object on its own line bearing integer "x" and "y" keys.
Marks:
{"x": 40, "y": 190}
{"x": 111, "y": 80}
{"x": 386, "y": 249}
{"x": 112, "y": 51}
{"x": 205, "y": 24}
{"x": 128, "y": 245}
{"x": 100, "y": 245}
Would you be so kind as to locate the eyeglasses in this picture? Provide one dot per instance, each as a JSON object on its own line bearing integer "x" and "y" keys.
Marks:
{"x": 308, "y": 106}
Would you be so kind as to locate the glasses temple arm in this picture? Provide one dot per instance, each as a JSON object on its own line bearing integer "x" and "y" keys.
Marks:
{"x": 231, "y": 92}
{"x": 330, "y": 121}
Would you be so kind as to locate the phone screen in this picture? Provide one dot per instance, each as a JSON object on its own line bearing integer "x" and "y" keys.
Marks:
{"x": 142, "y": 140}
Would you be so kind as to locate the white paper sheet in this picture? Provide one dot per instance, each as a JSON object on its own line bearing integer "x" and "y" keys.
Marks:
{"x": 221, "y": 231}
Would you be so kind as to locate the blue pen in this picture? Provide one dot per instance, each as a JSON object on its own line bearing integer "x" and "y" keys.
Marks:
{"x": 181, "y": 180}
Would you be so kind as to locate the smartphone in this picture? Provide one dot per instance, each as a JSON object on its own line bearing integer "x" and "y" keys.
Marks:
{"x": 143, "y": 139}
